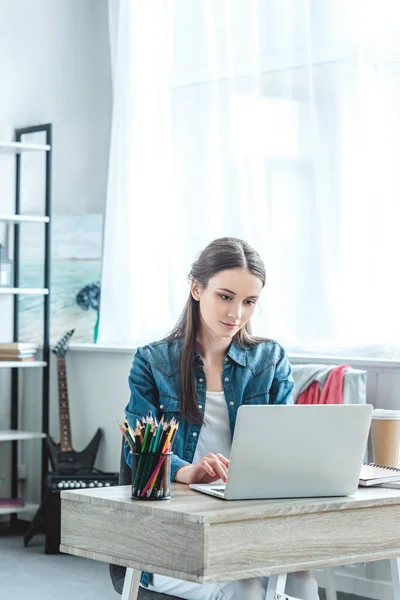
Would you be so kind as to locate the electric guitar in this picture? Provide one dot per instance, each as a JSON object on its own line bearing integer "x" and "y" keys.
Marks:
{"x": 63, "y": 459}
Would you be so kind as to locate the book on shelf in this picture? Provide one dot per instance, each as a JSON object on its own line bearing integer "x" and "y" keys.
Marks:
{"x": 18, "y": 351}
{"x": 17, "y": 356}
{"x": 372, "y": 474}
{"x": 18, "y": 347}
{"x": 11, "y": 503}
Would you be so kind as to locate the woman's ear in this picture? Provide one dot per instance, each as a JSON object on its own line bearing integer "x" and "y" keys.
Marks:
{"x": 195, "y": 290}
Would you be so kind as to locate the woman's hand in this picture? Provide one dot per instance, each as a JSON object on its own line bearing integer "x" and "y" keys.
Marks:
{"x": 206, "y": 470}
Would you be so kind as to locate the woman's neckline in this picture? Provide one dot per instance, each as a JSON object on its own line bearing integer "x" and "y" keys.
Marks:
{"x": 211, "y": 392}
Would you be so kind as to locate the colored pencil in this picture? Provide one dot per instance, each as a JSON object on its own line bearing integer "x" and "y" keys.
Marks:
{"x": 150, "y": 442}
{"x": 128, "y": 438}
{"x": 153, "y": 475}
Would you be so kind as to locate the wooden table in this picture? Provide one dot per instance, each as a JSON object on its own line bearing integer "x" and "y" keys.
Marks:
{"x": 200, "y": 538}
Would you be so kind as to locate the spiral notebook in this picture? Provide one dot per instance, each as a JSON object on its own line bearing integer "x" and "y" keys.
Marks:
{"x": 372, "y": 474}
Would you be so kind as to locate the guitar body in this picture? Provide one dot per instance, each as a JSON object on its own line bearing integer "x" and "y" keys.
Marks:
{"x": 64, "y": 459}
{"x": 67, "y": 463}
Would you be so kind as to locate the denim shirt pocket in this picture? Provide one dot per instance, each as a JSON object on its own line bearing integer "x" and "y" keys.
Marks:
{"x": 259, "y": 389}
{"x": 168, "y": 384}
{"x": 169, "y": 405}
{"x": 263, "y": 398}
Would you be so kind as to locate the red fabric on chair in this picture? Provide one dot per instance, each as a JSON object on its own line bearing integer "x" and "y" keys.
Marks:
{"x": 332, "y": 392}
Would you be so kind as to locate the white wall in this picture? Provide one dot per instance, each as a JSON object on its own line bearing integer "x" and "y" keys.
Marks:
{"x": 54, "y": 67}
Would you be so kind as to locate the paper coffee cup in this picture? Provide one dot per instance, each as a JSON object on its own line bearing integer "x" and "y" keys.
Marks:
{"x": 385, "y": 433}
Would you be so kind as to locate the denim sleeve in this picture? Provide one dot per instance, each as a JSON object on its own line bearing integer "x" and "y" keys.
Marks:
{"x": 144, "y": 398}
{"x": 283, "y": 383}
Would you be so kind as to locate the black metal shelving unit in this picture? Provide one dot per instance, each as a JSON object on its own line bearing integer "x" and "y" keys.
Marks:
{"x": 14, "y": 420}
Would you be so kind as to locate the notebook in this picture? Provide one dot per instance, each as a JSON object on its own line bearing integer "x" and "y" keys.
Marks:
{"x": 301, "y": 451}
{"x": 372, "y": 474}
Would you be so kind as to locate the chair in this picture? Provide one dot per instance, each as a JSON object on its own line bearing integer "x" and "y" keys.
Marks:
{"x": 354, "y": 383}
{"x": 117, "y": 573}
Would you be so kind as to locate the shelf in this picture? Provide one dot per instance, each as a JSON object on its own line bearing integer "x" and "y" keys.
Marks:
{"x": 18, "y": 147}
{"x": 12, "y": 152}
{"x": 23, "y": 219}
{"x": 10, "y": 290}
{"x": 8, "y": 435}
{"x": 18, "y": 509}
{"x": 24, "y": 364}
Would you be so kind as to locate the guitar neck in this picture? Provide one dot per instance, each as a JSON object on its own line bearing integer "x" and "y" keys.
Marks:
{"x": 63, "y": 406}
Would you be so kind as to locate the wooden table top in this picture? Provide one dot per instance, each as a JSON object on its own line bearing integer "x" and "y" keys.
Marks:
{"x": 189, "y": 506}
{"x": 201, "y": 538}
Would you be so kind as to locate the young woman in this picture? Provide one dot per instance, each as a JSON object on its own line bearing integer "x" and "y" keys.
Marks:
{"x": 200, "y": 374}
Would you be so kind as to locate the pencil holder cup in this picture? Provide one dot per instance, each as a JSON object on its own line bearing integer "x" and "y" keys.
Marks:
{"x": 151, "y": 475}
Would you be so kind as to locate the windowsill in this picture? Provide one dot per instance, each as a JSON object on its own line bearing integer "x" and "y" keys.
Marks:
{"x": 295, "y": 359}
{"x": 101, "y": 348}
{"x": 358, "y": 361}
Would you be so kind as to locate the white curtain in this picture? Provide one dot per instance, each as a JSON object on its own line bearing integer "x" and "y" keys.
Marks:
{"x": 276, "y": 121}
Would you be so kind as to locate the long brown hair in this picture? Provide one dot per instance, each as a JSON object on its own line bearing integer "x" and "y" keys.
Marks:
{"x": 220, "y": 255}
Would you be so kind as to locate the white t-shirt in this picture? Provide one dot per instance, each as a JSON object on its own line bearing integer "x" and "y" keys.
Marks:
{"x": 215, "y": 433}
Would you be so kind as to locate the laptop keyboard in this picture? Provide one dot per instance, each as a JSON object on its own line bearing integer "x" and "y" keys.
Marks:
{"x": 221, "y": 490}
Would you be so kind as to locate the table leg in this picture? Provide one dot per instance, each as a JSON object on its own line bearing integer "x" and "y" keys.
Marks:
{"x": 276, "y": 585}
{"x": 330, "y": 584}
{"x": 131, "y": 584}
{"x": 394, "y": 568}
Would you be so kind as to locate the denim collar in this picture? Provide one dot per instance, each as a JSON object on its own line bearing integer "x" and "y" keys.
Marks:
{"x": 235, "y": 352}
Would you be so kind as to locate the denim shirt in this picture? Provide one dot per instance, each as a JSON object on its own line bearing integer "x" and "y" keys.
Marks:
{"x": 257, "y": 375}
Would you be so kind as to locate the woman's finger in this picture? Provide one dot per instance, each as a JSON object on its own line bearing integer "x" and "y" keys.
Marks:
{"x": 219, "y": 467}
{"x": 219, "y": 456}
{"x": 207, "y": 467}
{"x": 223, "y": 459}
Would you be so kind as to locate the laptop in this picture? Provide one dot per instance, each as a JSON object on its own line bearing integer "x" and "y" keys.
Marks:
{"x": 286, "y": 451}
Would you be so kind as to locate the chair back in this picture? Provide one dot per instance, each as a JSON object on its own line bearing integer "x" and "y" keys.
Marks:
{"x": 354, "y": 383}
